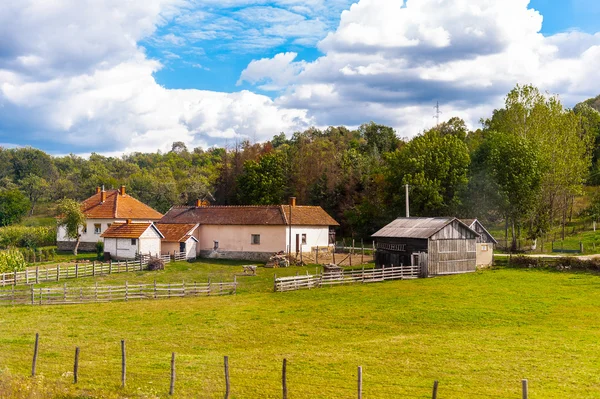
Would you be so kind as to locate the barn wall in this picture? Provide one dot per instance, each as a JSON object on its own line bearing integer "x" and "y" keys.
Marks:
{"x": 397, "y": 251}
{"x": 454, "y": 231}
{"x": 449, "y": 256}
{"x": 149, "y": 242}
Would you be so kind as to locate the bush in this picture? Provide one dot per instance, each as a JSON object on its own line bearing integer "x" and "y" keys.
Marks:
{"x": 564, "y": 263}
{"x": 100, "y": 249}
{"x": 30, "y": 237}
{"x": 12, "y": 260}
{"x": 156, "y": 264}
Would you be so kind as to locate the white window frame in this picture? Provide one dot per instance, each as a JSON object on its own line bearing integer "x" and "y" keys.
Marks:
{"x": 97, "y": 228}
{"x": 255, "y": 239}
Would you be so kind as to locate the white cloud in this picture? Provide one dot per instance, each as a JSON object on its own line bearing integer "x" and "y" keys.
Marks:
{"x": 391, "y": 61}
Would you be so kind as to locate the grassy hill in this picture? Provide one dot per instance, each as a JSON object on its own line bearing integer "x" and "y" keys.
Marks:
{"x": 478, "y": 334}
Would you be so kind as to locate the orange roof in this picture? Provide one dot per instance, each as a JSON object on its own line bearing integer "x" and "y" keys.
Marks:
{"x": 308, "y": 216}
{"x": 117, "y": 206}
{"x": 128, "y": 230}
{"x": 176, "y": 232}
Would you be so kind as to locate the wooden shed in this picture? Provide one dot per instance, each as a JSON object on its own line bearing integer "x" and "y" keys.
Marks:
{"x": 485, "y": 242}
{"x": 439, "y": 245}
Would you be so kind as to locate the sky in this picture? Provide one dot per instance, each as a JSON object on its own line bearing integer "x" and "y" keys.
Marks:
{"x": 114, "y": 77}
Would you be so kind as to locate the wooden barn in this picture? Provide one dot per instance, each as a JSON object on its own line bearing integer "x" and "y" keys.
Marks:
{"x": 439, "y": 245}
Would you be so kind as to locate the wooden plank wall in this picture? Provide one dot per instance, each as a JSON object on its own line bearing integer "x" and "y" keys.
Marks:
{"x": 452, "y": 256}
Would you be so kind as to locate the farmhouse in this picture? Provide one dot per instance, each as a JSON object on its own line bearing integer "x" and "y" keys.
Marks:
{"x": 255, "y": 232}
{"x": 126, "y": 240}
{"x": 102, "y": 210}
{"x": 485, "y": 242}
{"x": 179, "y": 238}
{"x": 438, "y": 245}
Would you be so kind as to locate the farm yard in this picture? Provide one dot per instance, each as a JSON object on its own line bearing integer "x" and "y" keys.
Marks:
{"x": 479, "y": 334}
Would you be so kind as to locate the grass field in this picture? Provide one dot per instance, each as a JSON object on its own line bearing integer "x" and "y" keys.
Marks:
{"x": 478, "y": 334}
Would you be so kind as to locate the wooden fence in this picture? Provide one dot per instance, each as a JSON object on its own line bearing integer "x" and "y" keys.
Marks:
{"x": 71, "y": 295}
{"x": 299, "y": 282}
{"x": 60, "y": 272}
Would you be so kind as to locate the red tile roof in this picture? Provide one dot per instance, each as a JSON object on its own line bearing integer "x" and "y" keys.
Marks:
{"x": 126, "y": 230}
{"x": 117, "y": 206}
{"x": 250, "y": 215}
{"x": 176, "y": 232}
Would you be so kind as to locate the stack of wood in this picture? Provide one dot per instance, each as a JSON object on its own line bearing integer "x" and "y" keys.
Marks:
{"x": 278, "y": 260}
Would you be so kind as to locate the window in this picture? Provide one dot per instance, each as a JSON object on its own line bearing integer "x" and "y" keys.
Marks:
{"x": 134, "y": 241}
{"x": 216, "y": 245}
{"x": 84, "y": 230}
{"x": 255, "y": 239}
{"x": 303, "y": 239}
{"x": 484, "y": 248}
{"x": 97, "y": 228}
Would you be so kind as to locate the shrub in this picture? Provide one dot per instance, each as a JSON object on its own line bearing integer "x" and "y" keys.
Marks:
{"x": 30, "y": 237}
{"x": 156, "y": 264}
{"x": 12, "y": 260}
{"x": 100, "y": 249}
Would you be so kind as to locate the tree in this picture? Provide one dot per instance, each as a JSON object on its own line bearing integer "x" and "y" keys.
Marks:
{"x": 13, "y": 206}
{"x": 379, "y": 138}
{"x": 35, "y": 187}
{"x": 72, "y": 219}
{"x": 435, "y": 166}
{"x": 262, "y": 182}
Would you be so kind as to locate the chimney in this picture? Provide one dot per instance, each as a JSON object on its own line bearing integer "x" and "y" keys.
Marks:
{"x": 128, "y": 221}
{"x": 98, "y": 190}
{"x": 293, "y": 201}
{"x": 122, "y": 190}
{"x": 102, "y": 196}
{"x": 198, "y": 203}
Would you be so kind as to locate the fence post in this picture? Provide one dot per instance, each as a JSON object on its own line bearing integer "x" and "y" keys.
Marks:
{"x": 234, "y": 285}
{"x": 126, "y": 291}
{"x": 35, "y": 354}
{"x": 317, "y": 256}
{"x": 226, "y": 360}
{"x": 362, "y": 251}
{"x": 172, "y": 387}
{"x": 275, "y": 282}
{"x": 26, "y": 276}
{"x": 94, "y": 268}
{"x": 208, "y": 293}
{"x": 65, "y": 292}
{"x": 123, "y": 363}
{"x": 525, "y": 389}
{"x": 32, "y": 295}
{"x": 96, "y": 292}
{"x": 57, "y": 272}
{"x": 3, "y": 279}
{"x": 37, "y": 271}
{"x": 110, "y": 266}
{"x": 141, "y": 263}
{"x": 154, "y": 288}
{"x": 359, "y": 382}
{"x": 76, "y": 270}
{"x": 435, "y": 386}
{"x": 126, "y": 265}
{"x": 284, "y": 379}
{"x": 76, "y": 365}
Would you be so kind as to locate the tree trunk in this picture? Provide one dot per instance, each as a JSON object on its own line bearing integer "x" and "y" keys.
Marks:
{"x": 506, "y": 231}
{"x": 76, "y": 245}
{"x": 513, "y": 246}
{"x": 32, "y": 208}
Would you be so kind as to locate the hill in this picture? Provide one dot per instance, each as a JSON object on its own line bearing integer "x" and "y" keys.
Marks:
{"x": 594, "y": 103}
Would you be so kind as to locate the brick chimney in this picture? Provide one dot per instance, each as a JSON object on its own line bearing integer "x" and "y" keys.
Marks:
{"x": 128, "y": 221}
{"x": 293, "y": 201}
{"x": 102, "y": 195}
{"x": 122, "y": 190}
{"x": 198, "y": 203}
{"x": 98, "y": 190}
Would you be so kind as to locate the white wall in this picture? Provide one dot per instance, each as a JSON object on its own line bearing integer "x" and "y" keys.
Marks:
{"x": 237, "y": 238}
{"x": 90, "y": 236}
{"x": 315, "y": 236}
{"x": 149, "y": 242}
{"x": 120, "y": 248}
{"x": 191, "y": 248}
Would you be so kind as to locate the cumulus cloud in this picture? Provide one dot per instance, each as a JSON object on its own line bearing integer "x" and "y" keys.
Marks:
{"x": 74, "y": 75}
{"x": 391, "y": 60}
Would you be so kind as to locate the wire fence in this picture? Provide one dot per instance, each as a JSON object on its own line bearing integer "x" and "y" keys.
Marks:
{"x": 171, "y": 373}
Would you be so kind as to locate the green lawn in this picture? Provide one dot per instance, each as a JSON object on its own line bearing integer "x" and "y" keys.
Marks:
{"x": 478, "y": 334}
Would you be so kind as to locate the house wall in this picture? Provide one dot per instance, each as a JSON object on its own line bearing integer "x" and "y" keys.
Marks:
{"x": 191, "y": 248}
{"x": 168, "y": 247}
{"x": 451, "y": 256}
{"x": 235, "y": 241}
{"x": 89, "y": 238}
{"x": 120, "y": 248}
{"x": 316, "y": 236}
{"x": 149, "y": 242}
{"x": 485, "y": 257}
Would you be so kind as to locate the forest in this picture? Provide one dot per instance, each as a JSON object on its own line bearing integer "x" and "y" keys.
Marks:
{"x": 522, "y": 168}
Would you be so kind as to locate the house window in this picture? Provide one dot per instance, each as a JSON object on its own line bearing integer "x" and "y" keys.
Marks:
{"x": 484, "y": 248}
{"x": 216, "y": 245}
{"x": 255, "y": 239}
{"x": 84, "y": 230}
{"x": 97, "y": 228}
{"x": 303, "y": 239}
{"x": 134, "y": 241}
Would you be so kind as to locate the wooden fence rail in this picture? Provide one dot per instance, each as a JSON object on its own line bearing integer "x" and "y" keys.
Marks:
{"x": 294, "y": 283}
{"x": 66, "y": 295}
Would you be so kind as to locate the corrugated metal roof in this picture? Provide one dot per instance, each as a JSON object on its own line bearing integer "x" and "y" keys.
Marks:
{"x": 413, "y": 227}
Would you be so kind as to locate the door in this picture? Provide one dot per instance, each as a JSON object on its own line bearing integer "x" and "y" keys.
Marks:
{"x": 182, "y": 247}
{"x": 297, "y": 243}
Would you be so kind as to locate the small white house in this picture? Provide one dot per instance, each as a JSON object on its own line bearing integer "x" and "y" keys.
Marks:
{"x": 485, "y": 242}
{"x": 126, "y": 240}
{"x": 179, "y": 238}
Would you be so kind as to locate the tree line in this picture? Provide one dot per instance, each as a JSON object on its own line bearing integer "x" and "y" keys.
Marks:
{"x": 522, "y": 167}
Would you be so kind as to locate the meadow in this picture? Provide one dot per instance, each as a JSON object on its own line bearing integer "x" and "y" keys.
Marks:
{"x": 478, "y": 334}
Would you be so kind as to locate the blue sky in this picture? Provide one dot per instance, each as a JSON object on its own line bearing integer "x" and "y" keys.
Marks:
{"x": 113, "y": 77}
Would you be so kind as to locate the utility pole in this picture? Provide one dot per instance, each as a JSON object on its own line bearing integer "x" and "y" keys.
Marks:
{"x": 407, "y": 204}
{"x": 437, "y": 113}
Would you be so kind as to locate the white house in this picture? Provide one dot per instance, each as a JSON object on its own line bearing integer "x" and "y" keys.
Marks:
{"x": 102, "y": 210}
{"x": 126, "y": 240}
{"x": 179, "y": 238}
{"x": 254, "y": 232}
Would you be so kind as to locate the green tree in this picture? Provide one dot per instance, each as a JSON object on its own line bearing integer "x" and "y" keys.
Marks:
{"x": 262, "y": 182}
{"x": 35, "y": 187}
{"x": 72, "y": 219}
{"x": 13, "y": 206}
{"x": 378, "y": 138}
